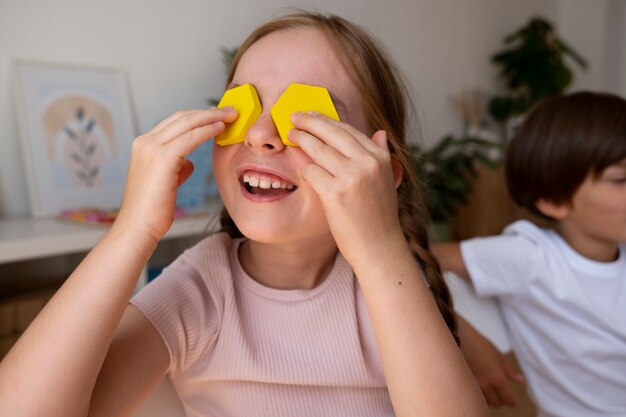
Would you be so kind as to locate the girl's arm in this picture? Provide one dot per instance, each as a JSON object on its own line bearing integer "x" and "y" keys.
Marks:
{"x": 425, "y": 371}
{"x": 87, "y": 337}
{"x": 424, "y": 368}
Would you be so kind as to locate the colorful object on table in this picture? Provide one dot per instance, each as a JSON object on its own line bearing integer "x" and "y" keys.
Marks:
{"x": 300, "y": 98}
{"x": 245, "y": 100}
{"x": 296, "y": 98}
{"x": 100, "y": 216}
{"x": 90, "y": 215}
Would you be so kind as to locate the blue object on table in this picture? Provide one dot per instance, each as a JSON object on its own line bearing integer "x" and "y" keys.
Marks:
{"x": 200, "y": 188}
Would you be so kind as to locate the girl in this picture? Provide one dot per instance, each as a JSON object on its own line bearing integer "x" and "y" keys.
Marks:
{"x": 328, "y": 288}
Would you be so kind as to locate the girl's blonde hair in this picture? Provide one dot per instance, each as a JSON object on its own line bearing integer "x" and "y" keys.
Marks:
{"x": 385, "y": 99}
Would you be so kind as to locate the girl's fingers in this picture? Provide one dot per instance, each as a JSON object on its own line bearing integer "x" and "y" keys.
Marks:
{"x": 194, "y": 119}
{"x": 341, "y": 136}
{"x": 332, "y": 144}
{"x": 168, "y": 120}
{"x": 380, "y": 139}
{"x": 187, "y": 142}
{"x": 318, "y": 178}
{"x": 322, "y": 154}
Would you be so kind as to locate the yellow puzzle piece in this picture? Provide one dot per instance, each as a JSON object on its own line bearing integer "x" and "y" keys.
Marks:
{"x": 300, "y": 98}
{"x": 245, "y": 100}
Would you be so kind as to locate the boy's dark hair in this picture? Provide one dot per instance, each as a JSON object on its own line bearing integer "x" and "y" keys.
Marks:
{"x": 562, "y": 141}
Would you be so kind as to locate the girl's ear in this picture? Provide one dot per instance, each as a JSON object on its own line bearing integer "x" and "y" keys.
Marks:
{"x": 398, "y": 172}
{"x": 556, "y": 211}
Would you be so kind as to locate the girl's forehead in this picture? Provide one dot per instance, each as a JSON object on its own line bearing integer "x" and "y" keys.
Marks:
{"x": 294, "y": 55}
{"x": 303, "y": 56}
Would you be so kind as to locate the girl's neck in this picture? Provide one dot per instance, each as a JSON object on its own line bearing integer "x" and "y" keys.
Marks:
{"x": 591, "y": 247}
{"x": 288, "y": 266}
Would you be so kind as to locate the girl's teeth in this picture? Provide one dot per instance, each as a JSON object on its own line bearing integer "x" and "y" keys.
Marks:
{"x": 265, "y": 184}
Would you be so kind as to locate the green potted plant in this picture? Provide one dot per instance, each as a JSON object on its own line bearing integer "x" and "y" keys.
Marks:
{"x": 446, "y": 171}
{"x": 533, "y": 66}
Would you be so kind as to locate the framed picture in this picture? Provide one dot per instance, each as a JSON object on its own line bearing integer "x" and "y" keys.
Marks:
{"x": 76, "y": 128}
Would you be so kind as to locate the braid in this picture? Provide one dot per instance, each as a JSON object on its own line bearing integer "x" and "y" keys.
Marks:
{"x": 414, "y": 219}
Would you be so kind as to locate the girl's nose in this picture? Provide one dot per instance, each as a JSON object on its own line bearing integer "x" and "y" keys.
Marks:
{"x": 263, "y": 136}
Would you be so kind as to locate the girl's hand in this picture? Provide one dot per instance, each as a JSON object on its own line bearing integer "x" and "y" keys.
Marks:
{"x": 353, "y": 176}
{"x": 158, "y": 167}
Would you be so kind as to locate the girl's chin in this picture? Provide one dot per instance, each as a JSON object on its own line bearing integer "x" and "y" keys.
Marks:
{"x": 263, "y": 230}
{"x": 279, "y": 231}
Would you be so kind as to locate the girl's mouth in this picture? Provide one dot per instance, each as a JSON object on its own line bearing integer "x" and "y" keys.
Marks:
{"x": 264, "y": 184}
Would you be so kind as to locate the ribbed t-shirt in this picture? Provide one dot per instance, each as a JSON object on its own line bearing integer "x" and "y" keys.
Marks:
{"x": 238, "y": 348}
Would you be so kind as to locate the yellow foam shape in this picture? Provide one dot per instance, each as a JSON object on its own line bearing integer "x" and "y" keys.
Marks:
{"x": 245, "y": 100}
{"x": 300, "y": 98}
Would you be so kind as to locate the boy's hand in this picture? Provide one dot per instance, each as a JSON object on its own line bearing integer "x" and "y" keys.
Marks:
{"x": 352, "y": 174}
{"x": 158, "y": 167}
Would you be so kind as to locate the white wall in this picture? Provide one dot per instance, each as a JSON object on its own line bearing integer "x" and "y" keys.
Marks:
{"x": 593, "y": 29}
{"x": 170, "y": 49}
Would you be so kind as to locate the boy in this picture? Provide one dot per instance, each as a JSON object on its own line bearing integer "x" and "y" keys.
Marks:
{"x": 562, "y": 291}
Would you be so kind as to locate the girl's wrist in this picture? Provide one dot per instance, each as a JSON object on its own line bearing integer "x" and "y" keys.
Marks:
{"x": 386, "y": 252}
{"x": 133, "y": 238}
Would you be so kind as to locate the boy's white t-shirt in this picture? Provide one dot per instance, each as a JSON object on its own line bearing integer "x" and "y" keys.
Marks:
{"x": 566, "y": 315}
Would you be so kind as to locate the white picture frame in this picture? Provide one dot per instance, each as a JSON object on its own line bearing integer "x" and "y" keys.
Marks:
{"x": 76, "y": 128}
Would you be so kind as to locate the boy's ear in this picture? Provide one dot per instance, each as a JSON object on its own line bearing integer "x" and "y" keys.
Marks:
{"x": 556, "y": 211}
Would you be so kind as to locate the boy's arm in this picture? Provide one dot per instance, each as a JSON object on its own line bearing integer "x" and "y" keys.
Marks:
{"x": 450, "y": 259}
{"x": 490, "y": 368}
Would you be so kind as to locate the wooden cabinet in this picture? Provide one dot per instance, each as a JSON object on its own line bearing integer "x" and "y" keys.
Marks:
{"x": 489, "y": 208}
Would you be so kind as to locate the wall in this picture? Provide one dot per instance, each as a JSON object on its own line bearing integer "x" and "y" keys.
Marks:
{"x": 598, "y": 31}
{"x": 170, "y": 50}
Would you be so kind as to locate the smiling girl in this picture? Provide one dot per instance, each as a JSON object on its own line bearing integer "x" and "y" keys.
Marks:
{"x": 322, "y": 298}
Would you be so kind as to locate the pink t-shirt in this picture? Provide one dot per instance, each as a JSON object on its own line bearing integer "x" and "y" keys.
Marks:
{"x": 238, "y": 348}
